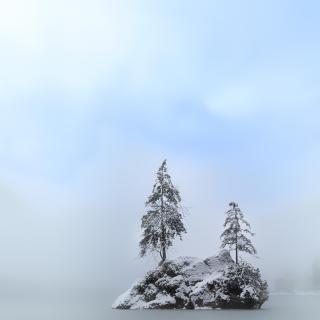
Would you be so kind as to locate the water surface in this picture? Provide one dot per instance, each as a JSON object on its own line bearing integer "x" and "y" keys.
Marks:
{"x": 96, "y": 306}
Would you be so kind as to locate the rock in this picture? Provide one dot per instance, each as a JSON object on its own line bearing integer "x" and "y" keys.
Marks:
{"x": 192, "y": 283}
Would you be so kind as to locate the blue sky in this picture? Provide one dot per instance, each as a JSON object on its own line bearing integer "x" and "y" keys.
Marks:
{"x": 94, "y": 94}
{"x": 205, "y": 79}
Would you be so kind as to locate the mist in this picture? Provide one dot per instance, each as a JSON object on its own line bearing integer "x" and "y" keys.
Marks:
{"x": 93, "y": 100}
{"x": 83, "y": 232}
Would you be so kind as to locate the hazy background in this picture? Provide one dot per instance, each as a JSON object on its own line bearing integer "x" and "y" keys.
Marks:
{"x": 95, "y": 94}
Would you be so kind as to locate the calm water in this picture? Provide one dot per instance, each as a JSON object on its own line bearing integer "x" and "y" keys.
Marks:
{"x": 97, "y": 307}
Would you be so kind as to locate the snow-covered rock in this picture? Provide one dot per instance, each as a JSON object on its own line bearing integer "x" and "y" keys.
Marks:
{"x": 191, "y": 283}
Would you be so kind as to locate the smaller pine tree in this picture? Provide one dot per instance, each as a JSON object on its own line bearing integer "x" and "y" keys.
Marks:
{"x": 163, "y": 220}
{"x": 235, "y": 230}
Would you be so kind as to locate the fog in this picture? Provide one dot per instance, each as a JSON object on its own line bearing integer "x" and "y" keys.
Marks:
{"x": 93, "y": 99}
{"x": 84, "y": 234}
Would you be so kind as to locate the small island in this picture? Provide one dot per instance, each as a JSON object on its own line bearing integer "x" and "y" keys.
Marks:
{"x": 192, "y": 283}
{"x": 189, "y": 282}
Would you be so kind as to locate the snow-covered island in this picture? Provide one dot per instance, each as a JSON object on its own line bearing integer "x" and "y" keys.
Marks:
{"x": 192, "y": 283}
{"x": 187, "y": 282}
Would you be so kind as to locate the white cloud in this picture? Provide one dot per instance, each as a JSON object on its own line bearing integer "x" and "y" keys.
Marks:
{"x": 277, "y": 90}
{"x": 239, "y": 99}
{"x": 65, "y": 44}
{"x": 76, "y": 48}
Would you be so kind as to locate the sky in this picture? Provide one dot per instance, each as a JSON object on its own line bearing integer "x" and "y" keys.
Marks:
{"x": 95, "y": 94}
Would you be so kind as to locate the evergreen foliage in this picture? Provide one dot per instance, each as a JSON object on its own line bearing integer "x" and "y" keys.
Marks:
{"x": 163, "y": 220}
{"x": 235, "y": 230}
{"x": 243, "y": 285}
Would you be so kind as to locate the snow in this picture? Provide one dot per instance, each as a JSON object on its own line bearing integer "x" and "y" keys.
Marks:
{"x": 195, "y": 272}
{"x": 169, "y": 282}
{"x": 137, "y": 301}
{"x": 161, "y": 299}
{"x": 248, "y": 290}
{"x": 189, "y": 282}
{"x": 127, "y": 297}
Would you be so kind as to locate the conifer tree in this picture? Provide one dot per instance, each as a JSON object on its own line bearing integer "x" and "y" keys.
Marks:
{"x": 235, "y": 230}
{"x": 163, "y": 220}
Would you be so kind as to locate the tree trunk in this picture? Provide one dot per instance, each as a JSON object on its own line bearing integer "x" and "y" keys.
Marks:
{"x": 237, "y": 230}
{"x": 236, "y": 255}
{"x": 163, "y": 253}
{"x": 236, "y": 248}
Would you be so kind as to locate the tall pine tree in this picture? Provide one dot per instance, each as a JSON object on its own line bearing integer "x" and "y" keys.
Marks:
{"x": 163, "y": 220}
{"x": 235, "y": 230}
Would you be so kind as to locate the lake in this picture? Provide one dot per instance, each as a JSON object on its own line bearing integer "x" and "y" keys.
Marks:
{"x": 96, "y": 306}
